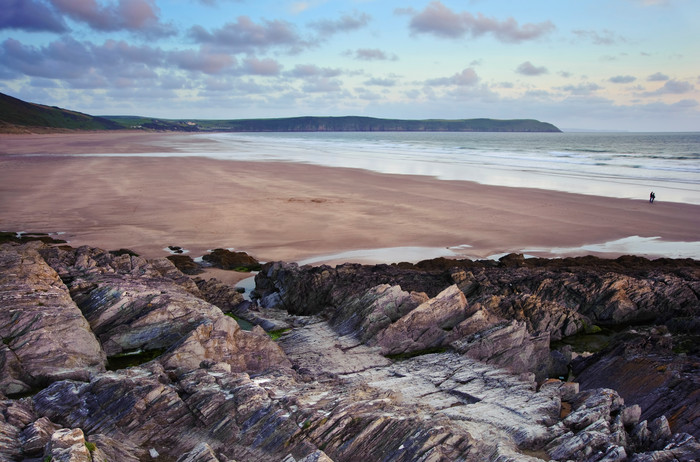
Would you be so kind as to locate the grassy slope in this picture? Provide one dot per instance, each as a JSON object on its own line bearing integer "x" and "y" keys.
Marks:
{"x": 15, "y": 112}
{"x": 349, "y": 123}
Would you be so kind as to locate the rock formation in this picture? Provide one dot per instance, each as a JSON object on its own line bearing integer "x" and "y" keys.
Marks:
{"x": 515, "y": 310}
{"x": 388, "y": 363}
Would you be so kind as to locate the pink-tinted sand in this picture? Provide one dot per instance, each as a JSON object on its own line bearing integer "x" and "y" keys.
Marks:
{"x": 285, "y": 211}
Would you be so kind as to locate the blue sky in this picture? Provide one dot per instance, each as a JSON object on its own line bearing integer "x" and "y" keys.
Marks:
{"x": 585, "y": 64}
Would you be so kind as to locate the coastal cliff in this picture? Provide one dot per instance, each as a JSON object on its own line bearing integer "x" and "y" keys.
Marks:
{"x": 109, "y": 356}
{"x": 17, "y": 116}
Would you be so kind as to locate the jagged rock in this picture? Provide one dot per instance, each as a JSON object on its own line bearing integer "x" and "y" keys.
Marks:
{"x": 310, "y": 290}
{"x": 229, "y": 260}
{"x": 427, "y": 326}
{"x": 375, "y": 310}
{"x": 171, "y": 272}
{"x": 131, "y": 304}
{"x": 112, "y": 449}
{"x": 642, "y": 367}
{"x": 223, "y": 341}
{"x": 133, "y": 406}
{"x": 681, "y": 448}
{"x": 631, "y": 415}
{"x": 316, "y": 456}
{"x": 35, "y": 436}
{"x": 201, "y": 453}
{"x": 225, "y": 296}
{"x": 68, "y": 445}
{"x": 230, "y": 300}
{"x": 593, "y": 405}
{"x": 581, "y": 445}
{"x": 341, "y": 398}
{"x": 14, "y": 416}
{"x": 509, "y": 345}
{"x": 44, "y": 335}
{"x": 186, "y": 264}
{"x": 551, "y": 297}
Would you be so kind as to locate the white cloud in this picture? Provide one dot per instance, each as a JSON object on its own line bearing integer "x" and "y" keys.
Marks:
{"x": 527, "y": 68}
{"x": 439, "y": 20}
{"x": 622, "y": 79}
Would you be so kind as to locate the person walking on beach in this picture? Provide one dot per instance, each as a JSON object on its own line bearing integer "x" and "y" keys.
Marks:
{"x": 652, "y": 196}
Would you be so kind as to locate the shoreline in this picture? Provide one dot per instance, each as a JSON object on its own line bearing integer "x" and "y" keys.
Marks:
{"x": 293, "y": 212}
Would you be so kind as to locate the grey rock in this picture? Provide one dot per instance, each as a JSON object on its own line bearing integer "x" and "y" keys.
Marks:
{"x": 509, "y": 345}
{"x": 681, "y": 448}
{"x": 113, "y": 449}
{"x": 200, "y": 453}
{"x": 426, "y": 326}
{"x": 44, "y": 335}
{"x": 223, "y": 341}
{"x": 642, "y": 367}
{"x": 68, "y": 445}
{"x": 35, "y": 436}
{"x": 316, "y": 456}
{"x": 225, "y": 296}
{"x": 631, "y": 414}
{"x": 375, "y": 310}
{"x": 131, "y": 304}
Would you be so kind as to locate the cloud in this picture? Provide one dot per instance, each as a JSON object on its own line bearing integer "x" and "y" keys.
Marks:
{"x": 439, "y": 20}
{"x": 527, "y": 68}
{"x": 61, "y": 59}
{"x": 467, "y": 77}
{"x": 672, "y": 87}
{"x": 262, "y": 67}
{"x": 368, "y": 95}
{"x": 371, "y": 54}
{"x": 74, "y": 61}
{"x": 323, "y": 85}
{"x": 30, "y": 15}
{"x": 504, "y": 85}
{"x": 657, "y": 77}
{"x": 311, "y": 70}
{"x": 244, "y": 35}
{"x": 583, "y": 89}
{"x": 139, "y": 16}
{"x": 607, "y": 37}
{"x": 381, "y": 82}
{"x": 347, "y": 23}
{"x": 204, "y": 61}
{"x": 622, "y": 79}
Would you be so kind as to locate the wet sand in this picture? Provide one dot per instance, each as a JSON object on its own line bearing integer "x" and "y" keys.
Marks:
{"x": 286, "y": 211}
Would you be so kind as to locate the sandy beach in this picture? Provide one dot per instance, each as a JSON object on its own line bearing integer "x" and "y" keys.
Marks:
{"x": 287, "y": 211}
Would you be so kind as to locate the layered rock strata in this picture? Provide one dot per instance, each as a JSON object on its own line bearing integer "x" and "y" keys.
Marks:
{"x": 44, "y": 334}
{"x": 514, "y": 310}
{"x": 384, "y": 372}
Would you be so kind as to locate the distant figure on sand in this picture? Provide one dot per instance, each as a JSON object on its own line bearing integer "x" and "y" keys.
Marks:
{"x": 652, "y": 196}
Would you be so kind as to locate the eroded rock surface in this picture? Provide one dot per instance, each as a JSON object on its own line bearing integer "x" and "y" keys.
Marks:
{"x": 44, "y": 335}
{"x": 130, "y": 303}
{"x": 515, "y": 309}
{"x": 327, "y": 389}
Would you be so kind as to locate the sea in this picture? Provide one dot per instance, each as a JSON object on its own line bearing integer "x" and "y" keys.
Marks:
{"x": 623, "y": 165}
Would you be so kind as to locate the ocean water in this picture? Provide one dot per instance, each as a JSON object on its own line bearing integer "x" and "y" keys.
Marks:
{"x": 626, "y": 165}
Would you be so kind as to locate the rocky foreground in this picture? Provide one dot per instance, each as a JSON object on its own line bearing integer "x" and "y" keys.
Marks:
{"x": 108, "y": 356}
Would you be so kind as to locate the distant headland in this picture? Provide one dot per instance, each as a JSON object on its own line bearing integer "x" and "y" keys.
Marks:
{"x": 21, "y": 116}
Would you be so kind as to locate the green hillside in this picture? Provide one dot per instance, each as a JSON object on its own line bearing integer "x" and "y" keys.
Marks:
{"x": 338, "y": 124}
{"x": 17, "y": 113}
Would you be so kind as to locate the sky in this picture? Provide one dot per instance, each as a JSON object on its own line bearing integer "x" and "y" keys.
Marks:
{"x": 619, "y": 65}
